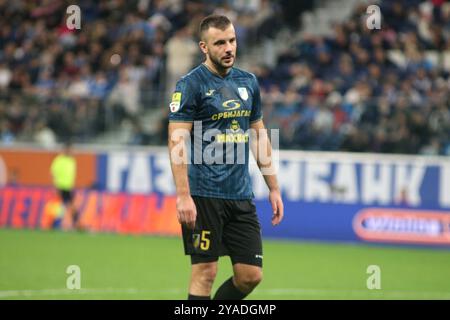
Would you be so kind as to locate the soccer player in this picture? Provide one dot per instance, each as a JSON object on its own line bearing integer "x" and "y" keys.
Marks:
{"x": 212, "y": 109}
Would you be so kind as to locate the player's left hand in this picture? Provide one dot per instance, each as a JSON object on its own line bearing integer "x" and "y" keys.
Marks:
{"x": 277, "y": 206}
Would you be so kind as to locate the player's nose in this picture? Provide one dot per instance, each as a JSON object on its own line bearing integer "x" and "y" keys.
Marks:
{"x": 229, "y": 48}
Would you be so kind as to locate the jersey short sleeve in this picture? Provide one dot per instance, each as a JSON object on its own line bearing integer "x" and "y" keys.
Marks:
{"x": 256, "y": 108}
{"x": 182, "y": 104}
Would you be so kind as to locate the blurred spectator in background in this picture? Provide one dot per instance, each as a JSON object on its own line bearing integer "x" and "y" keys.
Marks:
{"x": 44, "y": 136}
{"x": 63, "y": 170}
{"x": 125, "y": 96}
{"x": 181, "y": 51}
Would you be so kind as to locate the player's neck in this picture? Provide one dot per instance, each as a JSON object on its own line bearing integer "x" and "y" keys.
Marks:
{"x": 221, "y": 72}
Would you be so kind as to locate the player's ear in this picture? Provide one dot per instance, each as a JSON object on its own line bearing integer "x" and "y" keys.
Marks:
{"x": 203, "y": 47}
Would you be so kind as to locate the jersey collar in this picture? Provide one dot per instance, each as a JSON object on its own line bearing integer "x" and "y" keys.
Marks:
{"x": 216, "y": 74}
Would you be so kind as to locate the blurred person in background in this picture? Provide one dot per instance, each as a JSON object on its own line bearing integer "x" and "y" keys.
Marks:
{"x": 63, "y": 170}
{"x": 181, "y": 51}
{"x": 44, "y": 136}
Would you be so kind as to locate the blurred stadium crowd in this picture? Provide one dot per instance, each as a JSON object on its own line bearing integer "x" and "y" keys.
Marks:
{"x": 367, "y": 90}
{"x": 56, "y": 82}
{"x": 359, "y": 90}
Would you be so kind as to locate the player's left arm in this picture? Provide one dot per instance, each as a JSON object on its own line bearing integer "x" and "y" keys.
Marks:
{"x": 262, "y": 151}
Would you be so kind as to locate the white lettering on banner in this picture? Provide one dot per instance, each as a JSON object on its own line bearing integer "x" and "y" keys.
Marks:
{"x": 316, "y": 188}
{"x": 289, "y": 179}
{"x": 117, "y": 163}
{"x": 345, "y": 188}
{"x": 376, "y": 187}
{"x": 139, "y": 175}
{"x": 163, "y": 179}
{"x": 444, "y": 195}
{"x": 347, "y": 181}
{"x": 407, "y": 184}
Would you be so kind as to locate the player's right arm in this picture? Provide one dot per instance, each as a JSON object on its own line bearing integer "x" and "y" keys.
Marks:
{"x": 179, "y": 133}
{"x": 181, "y": 117}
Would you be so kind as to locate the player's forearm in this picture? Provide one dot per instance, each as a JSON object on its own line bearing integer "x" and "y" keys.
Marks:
{"x": 262, "y": 151}
{"x": 181, "y": 180}
{"x": 179, "y": 133}
{"x": 271, "y": 182}
{"x": 267, "y": 169}
{"x": 178, "y": 164}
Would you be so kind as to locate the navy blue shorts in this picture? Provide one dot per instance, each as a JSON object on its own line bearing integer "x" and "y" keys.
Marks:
{"x": 224, "y": 228}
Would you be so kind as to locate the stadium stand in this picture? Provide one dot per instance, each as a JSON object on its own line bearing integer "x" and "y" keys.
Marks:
{"x": 361, "y": 90}
{"x": 56, "y": 82}
{"x": 354, "y": 90}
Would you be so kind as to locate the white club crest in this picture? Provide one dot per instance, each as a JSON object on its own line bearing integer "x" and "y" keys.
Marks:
{"x": 174, "y": 106}
{"x": 243, "y": 93}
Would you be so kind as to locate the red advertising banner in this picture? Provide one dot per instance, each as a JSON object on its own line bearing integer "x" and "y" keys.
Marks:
{"x": 32, "y": 168}
{"x": 39, "y": 208}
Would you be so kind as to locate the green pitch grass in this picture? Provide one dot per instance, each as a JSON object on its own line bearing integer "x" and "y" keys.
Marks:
{"x": 33, "y": 266}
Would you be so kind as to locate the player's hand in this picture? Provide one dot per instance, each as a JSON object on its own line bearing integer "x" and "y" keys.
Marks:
{"x": 277, "y": 206}
{"x": 186, "y": 211}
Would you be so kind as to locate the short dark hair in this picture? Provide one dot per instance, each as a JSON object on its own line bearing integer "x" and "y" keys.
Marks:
{"x": 213, "y": 21}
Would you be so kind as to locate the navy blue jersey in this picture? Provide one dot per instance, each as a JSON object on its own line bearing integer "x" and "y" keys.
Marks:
{"x": 222, "y": 109}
